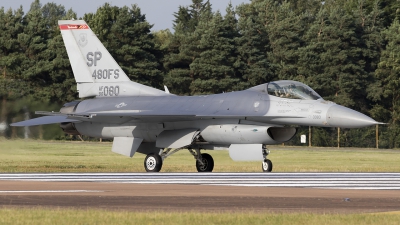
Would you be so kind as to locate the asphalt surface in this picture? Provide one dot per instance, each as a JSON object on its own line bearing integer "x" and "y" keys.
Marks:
{"x": 213, "y": 192}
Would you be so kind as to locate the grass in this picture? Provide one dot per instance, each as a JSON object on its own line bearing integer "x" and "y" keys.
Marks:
{"x": 97, "y": 216}
{"x": 57, "y": 156}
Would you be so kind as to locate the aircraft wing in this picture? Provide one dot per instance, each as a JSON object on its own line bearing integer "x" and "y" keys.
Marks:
{"x": 120, "y": 116}
{"x": 44, "y": 120}
{"x": 86, "y": 116}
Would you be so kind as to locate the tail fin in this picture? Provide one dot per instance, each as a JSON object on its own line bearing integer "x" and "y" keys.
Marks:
{"x": 95, "y": 70}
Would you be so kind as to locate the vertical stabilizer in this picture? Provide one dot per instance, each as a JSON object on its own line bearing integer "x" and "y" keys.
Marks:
{"x": 95, "y": 70}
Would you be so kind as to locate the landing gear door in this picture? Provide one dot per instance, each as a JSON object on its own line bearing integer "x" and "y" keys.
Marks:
{"x": 126, "y": 146}
{"x": 246, "y": 152}
{"x": 176, "y": 138}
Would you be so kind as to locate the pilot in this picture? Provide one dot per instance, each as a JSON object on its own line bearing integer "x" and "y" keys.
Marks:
{"x": 282, "y": 93}
{"x": 290, "y": 92}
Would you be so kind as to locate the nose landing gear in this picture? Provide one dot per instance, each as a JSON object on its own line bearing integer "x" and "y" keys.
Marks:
{"x": 266, "y": 164}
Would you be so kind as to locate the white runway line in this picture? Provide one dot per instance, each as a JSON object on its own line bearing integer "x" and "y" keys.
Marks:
{"x": 370, "y": 181}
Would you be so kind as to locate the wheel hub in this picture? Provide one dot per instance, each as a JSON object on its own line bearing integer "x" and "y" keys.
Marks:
{"x": 203, "y": 166}
{"x": 151, "y": 163}
{"x": 265, "y": 166}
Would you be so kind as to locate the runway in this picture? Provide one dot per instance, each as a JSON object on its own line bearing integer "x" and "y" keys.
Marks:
{"x": 370, "y": 181}
{"x": 209, "y": 192}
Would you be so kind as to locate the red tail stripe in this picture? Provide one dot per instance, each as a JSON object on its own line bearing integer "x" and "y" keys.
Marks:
{"x": 73, "y": 26}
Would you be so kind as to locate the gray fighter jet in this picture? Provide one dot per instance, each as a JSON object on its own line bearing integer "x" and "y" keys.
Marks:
{"x": 153, "y": 122}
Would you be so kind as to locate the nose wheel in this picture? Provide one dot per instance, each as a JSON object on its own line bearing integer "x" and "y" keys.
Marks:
{"x": 267, "y": 165}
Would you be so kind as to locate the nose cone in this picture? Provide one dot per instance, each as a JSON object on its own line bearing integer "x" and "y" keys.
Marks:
{"x": 340, "y": 116}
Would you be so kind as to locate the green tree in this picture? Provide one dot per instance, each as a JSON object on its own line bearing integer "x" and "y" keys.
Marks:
{"x": 391, "y": 10}
{"x": 198, "y": 10}
{"x": 177, "y": 61}
{"x": 34, "y": 66}
{"x": 189, "y": 17}
{"x": 134, "y": 47}
{"x": 63, "y": 88}
{"x": 183, "y": 18}
{"x": 102, "y": 21}
{"x": 162, "y": 39}
{"x": 183, "y": 49}
{"x": 309, "y": 7}
{"x": 214, "y": 70}
{"x": 330, "y": 62}
{"x": 10, "y": 58}
{"x": 386, "y": 90}
{"x": 253, "y": 45}
{"x": 369, "y": 24}
{"x": 10, "y": 87}
{"x": 52, "y": 13}
{"x": 285, "y": 31}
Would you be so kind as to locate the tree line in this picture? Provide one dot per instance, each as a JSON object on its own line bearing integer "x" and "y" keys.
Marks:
{"x": 346, "y": 50}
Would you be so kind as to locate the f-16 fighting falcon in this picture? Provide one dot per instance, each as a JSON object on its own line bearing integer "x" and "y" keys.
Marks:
{"x": 157, "y": 123}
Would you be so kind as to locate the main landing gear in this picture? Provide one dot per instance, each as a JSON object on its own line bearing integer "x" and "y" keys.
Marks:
{"x": 153, "y": 162}
{"x": 204, "y": 162}
{"x": 266, "y": 164}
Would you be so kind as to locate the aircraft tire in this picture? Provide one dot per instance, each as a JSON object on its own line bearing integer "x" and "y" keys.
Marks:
{"x": 267, "y": 165}
{"x": 153, "y": 163}
{"x": 208, "y": 163}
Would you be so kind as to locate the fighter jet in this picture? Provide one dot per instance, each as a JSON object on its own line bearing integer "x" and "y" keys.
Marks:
{"x": 158, "y": 124}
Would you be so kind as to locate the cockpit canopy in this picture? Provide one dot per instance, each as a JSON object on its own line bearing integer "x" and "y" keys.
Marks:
{"x": 288, "y": 89}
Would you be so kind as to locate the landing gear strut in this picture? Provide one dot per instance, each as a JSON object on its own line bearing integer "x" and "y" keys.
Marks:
{"x": 204, "y": 162}
{"x": 266, "y": 164}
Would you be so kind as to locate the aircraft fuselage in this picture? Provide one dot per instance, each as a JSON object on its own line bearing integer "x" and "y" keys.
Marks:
{"x": 231, "y": 111}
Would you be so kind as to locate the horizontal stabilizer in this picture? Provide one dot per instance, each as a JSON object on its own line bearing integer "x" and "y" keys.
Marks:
{"x": 43, "y": 120}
